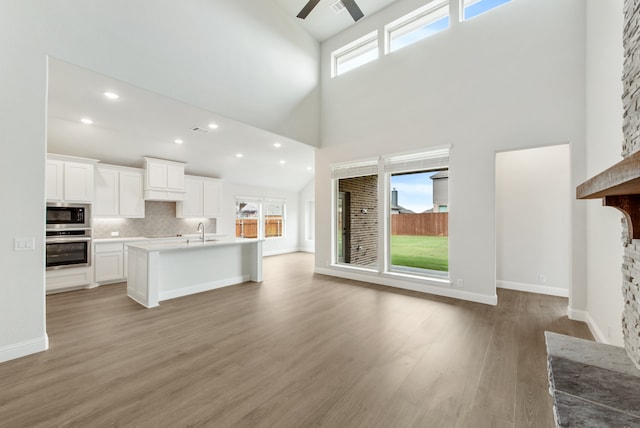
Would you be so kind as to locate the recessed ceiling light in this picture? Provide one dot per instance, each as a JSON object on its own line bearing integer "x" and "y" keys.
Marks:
{"x": 178, "y": 141}
{"x": 111, "y": 95}
{"x": 277, "y": 145}
{"x": 309, "y": 168}
{"x": 282, "y": 162}
{"x": 239, "y": 155}
{"x": 213, "y": 125}
{"x": 86, "y": 121}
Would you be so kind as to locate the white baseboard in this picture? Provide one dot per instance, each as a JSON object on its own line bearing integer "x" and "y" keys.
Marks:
{"x": 22, "y": 349}
{"x": 533, "y": 288}
{"x": 595, "y": 330}
{"x": 278, "y": 252}
{"x": 199, "y": 288}
{"x": 413, "y": 285}
{"x": 307, "y": 250}
{"x": 576, "y": 314}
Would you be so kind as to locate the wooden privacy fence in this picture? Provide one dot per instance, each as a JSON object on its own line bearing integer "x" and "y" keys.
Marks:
{"x": 425, "y": 224}
{"x": 248, "y": 227}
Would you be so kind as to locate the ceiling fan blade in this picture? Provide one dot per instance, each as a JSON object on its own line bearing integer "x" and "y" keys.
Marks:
{"x": 353, "y": 9}
{"x": 307, "y": 8}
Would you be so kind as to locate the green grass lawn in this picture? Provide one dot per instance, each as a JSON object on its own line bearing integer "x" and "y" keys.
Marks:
{"x": 426, "y": 252}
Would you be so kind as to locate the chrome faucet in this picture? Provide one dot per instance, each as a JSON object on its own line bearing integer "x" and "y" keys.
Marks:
{"x": 201, "y": 230}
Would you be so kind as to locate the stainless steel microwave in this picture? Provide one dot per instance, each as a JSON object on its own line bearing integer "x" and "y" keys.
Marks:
{"x": 66, "y": 216}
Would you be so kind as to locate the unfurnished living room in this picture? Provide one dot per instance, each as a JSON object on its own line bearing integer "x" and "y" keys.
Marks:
{"x": 292, "y": 213}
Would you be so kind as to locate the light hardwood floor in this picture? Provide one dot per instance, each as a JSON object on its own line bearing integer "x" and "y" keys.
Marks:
{"x": 298, "y": 350}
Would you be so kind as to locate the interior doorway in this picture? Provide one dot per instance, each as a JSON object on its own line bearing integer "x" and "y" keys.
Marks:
{"x": 533, "y": 220}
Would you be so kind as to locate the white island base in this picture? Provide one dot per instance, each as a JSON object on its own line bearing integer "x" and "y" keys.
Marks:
{"x": 165, "y": 271}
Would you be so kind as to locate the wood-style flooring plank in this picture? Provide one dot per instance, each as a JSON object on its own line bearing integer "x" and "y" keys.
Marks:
{"x": 298, "y": 350}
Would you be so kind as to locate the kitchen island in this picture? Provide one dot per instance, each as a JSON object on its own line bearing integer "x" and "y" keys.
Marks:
{"x": 166, "y": 270}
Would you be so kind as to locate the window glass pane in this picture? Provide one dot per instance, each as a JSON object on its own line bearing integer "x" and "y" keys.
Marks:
{"x": 357, "y": 221}
{"x": 247, "y": 216}
{"x": 473, "y": 8}
{"x": 274, "y": 220}
{"x": 354, "y": 54}
{"x": 419, "y": 241}
{"x": 357, "y": 57}
{"x": 417, "y": 26}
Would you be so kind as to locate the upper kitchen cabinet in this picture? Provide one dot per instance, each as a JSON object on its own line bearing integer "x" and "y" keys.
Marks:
{"x": 164, "y": 180}
{"x": 69, "y": 179}
{"x": 201, "y": 198}
{"x": 119, "y": 192}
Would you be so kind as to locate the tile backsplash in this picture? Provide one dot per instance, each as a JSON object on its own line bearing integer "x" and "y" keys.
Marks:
{"x": 160, "y": 220}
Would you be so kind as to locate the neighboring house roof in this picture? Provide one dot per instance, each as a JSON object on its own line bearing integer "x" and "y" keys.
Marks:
{"x": 441, "y": 174}
{"x": 401, "y": 210}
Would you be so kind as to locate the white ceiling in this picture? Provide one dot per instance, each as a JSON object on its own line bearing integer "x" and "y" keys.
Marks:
{"x": 323, "y": 23}
{"x": 142, "y": 123}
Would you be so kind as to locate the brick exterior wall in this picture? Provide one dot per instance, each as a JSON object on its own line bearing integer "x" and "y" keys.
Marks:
{"x": 630, "y": 145}
{"x": 363, "y": 194}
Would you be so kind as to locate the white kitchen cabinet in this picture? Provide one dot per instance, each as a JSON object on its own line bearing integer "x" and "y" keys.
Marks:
{"x": 55, "y": 180}
{"x": 201, "y": 198}
{"x": 109, "y": 262}
{"x": 119, "y": 192}
{"x": 164, "y": 180}
{"x": 78, "y": 182}
{"x": 69, "y": 179}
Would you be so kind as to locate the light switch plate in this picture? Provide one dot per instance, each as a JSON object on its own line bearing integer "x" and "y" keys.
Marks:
{"x": 24, "y": 244}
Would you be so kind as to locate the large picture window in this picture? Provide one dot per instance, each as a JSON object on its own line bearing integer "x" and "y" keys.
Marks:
{"x": 411, "y": 193}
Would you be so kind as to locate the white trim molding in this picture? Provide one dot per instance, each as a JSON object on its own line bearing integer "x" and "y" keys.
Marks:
{"x": 22, "y": 349}
{"x": 595, "y": 330}
{"x": 533, "y": 288}
{"x": 446, "y": 291}
{"x": 576, "y": 314}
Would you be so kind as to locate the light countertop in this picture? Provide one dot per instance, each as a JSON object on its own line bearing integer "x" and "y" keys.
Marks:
{"x": 189, "y": 243}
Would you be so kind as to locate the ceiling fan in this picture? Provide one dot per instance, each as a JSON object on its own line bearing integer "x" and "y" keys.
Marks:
{"x": 351, "y": 6}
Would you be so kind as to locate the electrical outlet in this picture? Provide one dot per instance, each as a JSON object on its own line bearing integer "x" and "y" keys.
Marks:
{"x": 115, "y": 233}
{"x": 542, "y": 279}
{"x": 460, "y": 283}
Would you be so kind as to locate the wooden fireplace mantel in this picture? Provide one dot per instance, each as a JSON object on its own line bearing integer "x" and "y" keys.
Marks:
{"x": 619, "y": 187}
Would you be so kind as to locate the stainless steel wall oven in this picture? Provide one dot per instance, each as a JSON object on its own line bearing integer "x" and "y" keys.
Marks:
{"x": 68, "y": 236}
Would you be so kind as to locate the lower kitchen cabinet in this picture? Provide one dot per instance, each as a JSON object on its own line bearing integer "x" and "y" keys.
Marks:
{"x": 110, "y": 261}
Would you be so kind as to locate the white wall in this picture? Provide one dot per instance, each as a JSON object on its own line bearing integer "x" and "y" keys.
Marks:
{"x": 226, "y": 224}
{"x": 307, "y": 218}
{"x": 498, "y": 82}
{"x": 604, "y": 145}
{"x": 240, "y": 58}
{"x": 533, "y": 220}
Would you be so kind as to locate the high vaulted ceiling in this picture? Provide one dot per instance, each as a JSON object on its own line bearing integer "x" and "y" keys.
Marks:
{"x": 323, "y": 23}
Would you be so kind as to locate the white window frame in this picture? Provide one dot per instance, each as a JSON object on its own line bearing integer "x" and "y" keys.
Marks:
{"x": 258, "y": 202}
{"x": 413, "y": 21}
{"x": 265, "y": 211}
{"x": 353, "y": 50}
{"x": 433, "y": 159}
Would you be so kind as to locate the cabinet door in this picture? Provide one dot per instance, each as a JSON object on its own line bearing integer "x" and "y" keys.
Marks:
{"x": 156, "y": 175}
{"x": 78, "y": 182}
{"x": 211, "y": 199}
{"x": 131, "y": 194}
{"x": 55, "y": 180}
{"x": 109, "y": 266}
{"x": 191, "y": 206}
{"x": 175, "y": 177}
{"x": 106, "y": 197}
